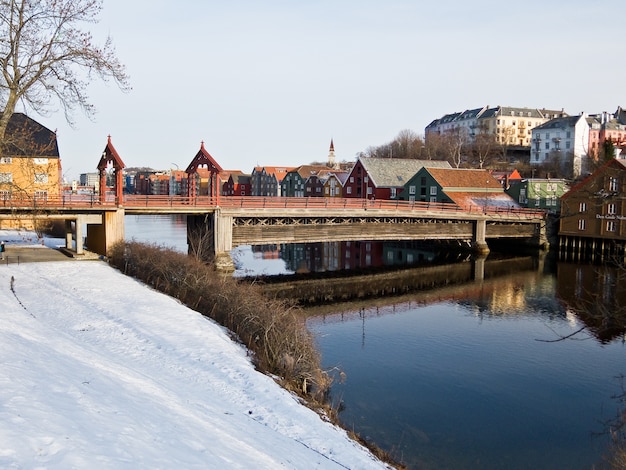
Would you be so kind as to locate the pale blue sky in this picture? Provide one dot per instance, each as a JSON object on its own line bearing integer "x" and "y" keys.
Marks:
{"x": 272, "y": 82}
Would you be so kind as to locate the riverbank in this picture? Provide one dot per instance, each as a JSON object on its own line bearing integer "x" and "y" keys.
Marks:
{"x": 100, "y": 370}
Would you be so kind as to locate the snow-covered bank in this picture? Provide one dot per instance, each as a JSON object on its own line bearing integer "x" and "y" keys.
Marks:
{"x": 98, "y": 371}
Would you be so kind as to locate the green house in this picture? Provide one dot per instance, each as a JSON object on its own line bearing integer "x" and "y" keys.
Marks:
{"x": 536, "y": 193}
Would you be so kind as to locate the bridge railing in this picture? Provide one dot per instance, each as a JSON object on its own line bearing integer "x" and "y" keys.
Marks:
{"x": 78, "y": 201}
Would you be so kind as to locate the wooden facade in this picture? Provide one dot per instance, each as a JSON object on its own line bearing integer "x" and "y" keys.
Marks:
{"x": 593, "y": 215}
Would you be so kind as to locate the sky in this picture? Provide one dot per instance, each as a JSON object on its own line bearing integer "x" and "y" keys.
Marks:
{"x": 271, "y": 83}
{"x": 99, "y": 371}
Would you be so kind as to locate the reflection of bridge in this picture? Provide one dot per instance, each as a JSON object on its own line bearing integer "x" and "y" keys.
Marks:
{"x": 226, "y": 222}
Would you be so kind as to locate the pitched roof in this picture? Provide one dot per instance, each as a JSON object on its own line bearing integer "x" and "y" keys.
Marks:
{"x": 26, "y": 137}
{"x": 477, "y": 199}
{"x": 395, "y": 172}
{"x": 203, "y": 158}
{"x": 462, "y": 179}
{"x": 306, "y": 171}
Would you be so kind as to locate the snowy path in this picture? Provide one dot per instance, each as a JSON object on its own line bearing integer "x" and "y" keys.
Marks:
{"x": 98, "y": 371}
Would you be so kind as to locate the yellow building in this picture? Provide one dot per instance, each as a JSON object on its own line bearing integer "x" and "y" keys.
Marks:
{"x": 30, "y": 166}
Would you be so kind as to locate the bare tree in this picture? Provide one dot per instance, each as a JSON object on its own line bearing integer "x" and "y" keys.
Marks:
{"x": 45, "y": 56}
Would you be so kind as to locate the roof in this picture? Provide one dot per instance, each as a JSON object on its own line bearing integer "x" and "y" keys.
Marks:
{"x": 477, "y": 199}
{"x": 461, "y": 178}
{"x": 619, "y": 163}
{"x": 110, "y": 155}
{"x": 277, "y": 171}
{"x": 26, "y": 137}
{"x": 560, "y": 123}
{"x": 203, "y": 158}
{"x": 395, "y": 172}
{"x": 306, "y": 171}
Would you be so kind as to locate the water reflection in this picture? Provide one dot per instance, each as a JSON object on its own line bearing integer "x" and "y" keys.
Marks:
{"x": 475, "y": 375}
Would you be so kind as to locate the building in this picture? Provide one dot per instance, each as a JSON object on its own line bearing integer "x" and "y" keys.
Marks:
{"x": 383, "y": 178}
{"x": 30, "y": 165}
{"x": 536, "y": 193}
{"x": 466, "y": 188}
{"x": 266, "y": 180}
{"x": 511, "y": 126}
{"x": 593, "y": 213}
{"x": 294, "y": 183}
{"x": 333, "y": 186}
{"x": 562, "y": 143}
{"x": 607, "y": 127}
{"x": 238, "y": 184}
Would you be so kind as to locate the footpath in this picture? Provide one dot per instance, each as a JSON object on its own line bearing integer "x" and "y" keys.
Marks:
{"x": 16, "y": 254}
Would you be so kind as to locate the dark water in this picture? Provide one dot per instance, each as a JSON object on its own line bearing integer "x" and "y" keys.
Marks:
{"x": 481, "y": 375}
{"x": 483, "y": 381}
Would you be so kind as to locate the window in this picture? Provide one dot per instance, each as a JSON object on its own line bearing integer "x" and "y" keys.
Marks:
{"x": 568, "y": 134}
{"x": 411, "y": 189}
{"x": 6, "y": 177}
{"x": 369, "y": 190}
{"x": 433, "y": 190}
{"x": 610, "y": 209}
{"x": 612, "y": 183}
{"x": 352, "y": 179}
{"x": 582, "y": 207}
{"x": 582, "y": 224}
{"x": 547, "y": 145}
{"x": 610, "y": 226}
{"x": 40, "y": 161}
{"x": 433, "y": 199}
{"x": 5, "y": 160}
{"x": 568, "y": 144}
{"x": 365, "y": 179}
{"x": 5, "y": 195}
{"x": 393, "y": 193}
{"x": 348, "y": 189}
{"x": 41, "y": 195}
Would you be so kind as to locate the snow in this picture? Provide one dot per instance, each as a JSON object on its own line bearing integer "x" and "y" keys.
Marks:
{"x": 99, "y": 371}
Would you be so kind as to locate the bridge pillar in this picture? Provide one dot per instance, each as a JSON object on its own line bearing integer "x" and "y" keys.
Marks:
{"x": 479, "y": 242}
{"x": 223, "y": 234}
{"x": 101, "y": 237}
{"x": 211, "y": 236}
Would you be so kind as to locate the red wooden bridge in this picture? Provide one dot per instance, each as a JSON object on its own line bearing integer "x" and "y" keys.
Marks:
{"x": 258, "y": 220}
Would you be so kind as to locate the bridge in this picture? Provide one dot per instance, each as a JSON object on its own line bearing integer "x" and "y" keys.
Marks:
{"x": 221, "y": 223}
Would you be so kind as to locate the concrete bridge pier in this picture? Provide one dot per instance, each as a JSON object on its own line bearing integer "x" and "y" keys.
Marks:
{"x": 210, "y": 236}
{"x": 102, "y": 236}
{"x": 223, "y": 242}
{"x": 479, "y": 242}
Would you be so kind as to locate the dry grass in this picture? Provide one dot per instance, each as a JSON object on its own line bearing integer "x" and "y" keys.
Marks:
{"x": 273, "y": 330}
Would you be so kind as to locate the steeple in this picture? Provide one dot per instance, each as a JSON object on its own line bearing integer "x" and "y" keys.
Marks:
{"x": 331, "y": 154}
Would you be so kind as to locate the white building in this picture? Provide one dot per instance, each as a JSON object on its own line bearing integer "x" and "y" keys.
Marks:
{"x": 564, "y": 140}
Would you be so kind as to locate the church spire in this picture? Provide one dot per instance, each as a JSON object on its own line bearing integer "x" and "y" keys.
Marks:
{"x": 331, "y": 154}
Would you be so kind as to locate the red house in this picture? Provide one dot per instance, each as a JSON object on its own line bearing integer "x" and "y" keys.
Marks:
{"x": 383, "y": 178}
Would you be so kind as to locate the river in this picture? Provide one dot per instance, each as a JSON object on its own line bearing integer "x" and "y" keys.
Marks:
{"x": 500, "y": 371}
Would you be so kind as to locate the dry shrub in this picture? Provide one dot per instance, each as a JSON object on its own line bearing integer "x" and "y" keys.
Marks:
{"x": 273, "y": 330}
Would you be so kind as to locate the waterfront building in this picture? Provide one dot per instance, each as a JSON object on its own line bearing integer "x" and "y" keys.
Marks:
{"x": 593, "y": 213}
{"x": 463, "y": 187}
{"x": 294, "y": 183}
{"x": 539, "y": 193}
{"x": 384, "y": 178}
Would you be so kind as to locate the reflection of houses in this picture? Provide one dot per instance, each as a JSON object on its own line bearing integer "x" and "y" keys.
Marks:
{"x": 294, "y": 183}
{"x": 362, "y": 254}
{"x": 463, "y": 187}
{"x": 29, "y": 162}
{"x": 538, "y": 193}
{"x": 266, "y": 180}
{"x": 383, "y": 178}
{"x": 593, "y": 213}
{"x": 597, "y": 295}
